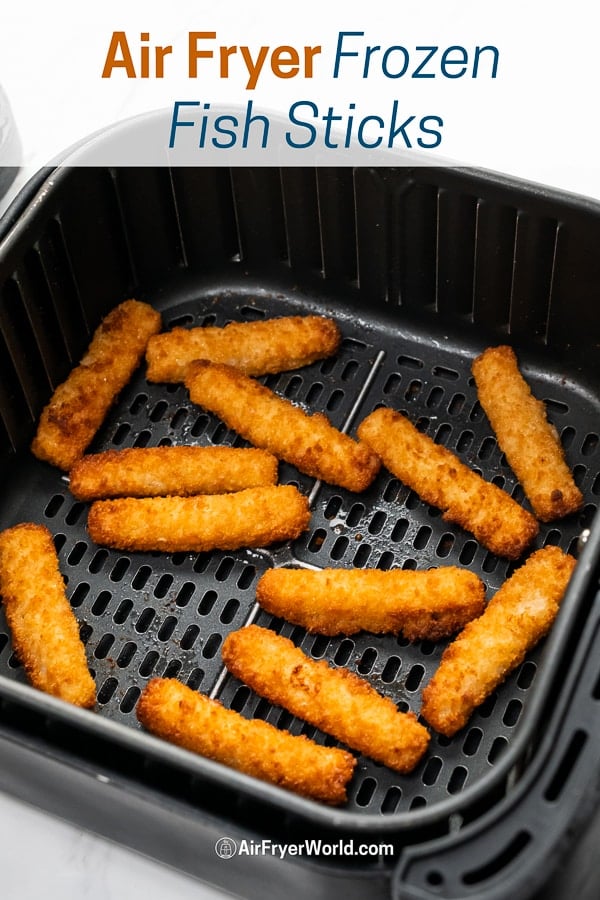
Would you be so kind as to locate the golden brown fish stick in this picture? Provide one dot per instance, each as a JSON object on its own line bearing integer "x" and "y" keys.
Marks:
{"x": 309, "y": 442}
{"x": 178, "y": 714}
{"x": 484, "y": 653}
{"x": 531, "y": 445}
{"x": 79, "y": 405}
{"x": 256, "y": 348}
{"x": 251, "y": 518}
{"x": 163, "y": 471}
{"x": 44, "y": 630}
{"x": 335, "y": 700}
{"x": 427, "y": 604}
{"x": 442, "y": 480}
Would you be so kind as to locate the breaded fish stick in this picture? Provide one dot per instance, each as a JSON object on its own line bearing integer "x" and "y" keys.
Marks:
{"x": 164, "y": 471}
{"x": 256, "y": 348}
{"x": 79, "y": 405}
{"x": 309, "y": 442}
{"x": 428, "y": 604}
{"x": 442, "y": 480}
{"x": 178, "y": 714}
{"x": 531, "y": 445}
{"x": 44, "y": 630}
{"x": 335, "y": 700}
{"x": 251, "y": 518}
{"x": 489, "y": 648}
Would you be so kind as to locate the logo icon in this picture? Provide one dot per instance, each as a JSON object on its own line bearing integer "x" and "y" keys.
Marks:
{"x": 225, "y": 848}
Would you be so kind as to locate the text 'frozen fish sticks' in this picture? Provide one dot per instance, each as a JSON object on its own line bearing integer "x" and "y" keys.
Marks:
{"x": 309, "y": 442}
{"x": 441, "y": 479}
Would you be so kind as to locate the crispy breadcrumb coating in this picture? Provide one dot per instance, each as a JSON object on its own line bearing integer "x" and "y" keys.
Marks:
{"x": 441, "y": 479}
{"x": 337, "y": 701}
{"x": 427, "y": 604}
{"x": 251, "y": 518}
{"x": 531, "y": 445}
{"x": 309, "y": 442}
{"x": 256, "y": 348}
{"x": 178, "y": 714}
{"x": 487, "y": 649}
{"x": 44, "y": 630}
{"x": 170, "y": 471}
{"x": 79, "y": 405}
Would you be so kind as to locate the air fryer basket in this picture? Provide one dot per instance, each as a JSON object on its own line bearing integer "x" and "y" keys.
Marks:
{"x": 422, "y": 269}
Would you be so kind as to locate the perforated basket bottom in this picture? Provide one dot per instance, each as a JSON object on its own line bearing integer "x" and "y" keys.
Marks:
{"x": 150, "y": 614}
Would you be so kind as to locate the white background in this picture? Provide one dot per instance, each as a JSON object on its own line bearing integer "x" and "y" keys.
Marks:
{"x": 538, "y": 120}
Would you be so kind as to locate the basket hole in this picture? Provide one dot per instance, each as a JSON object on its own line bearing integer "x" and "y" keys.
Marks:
{"x": 97, "y": 562}
{"x": 79, "y": 594}
{"x": 107, "y": 690}
{"x": 162, "y": 586}
{"x": 143, "y": 439}
{"x": 53, "y": 506}
{"x": 319, "y": 646}
{"x": 230, "y": 611}
{"x": 211, "y": 647}
{"x": 185, "y": 594}
{"x": 240, "y": 698}
{"x": 314, "y": 392}
{"x": 377, "y": 522}
{"x": 392, "y": 383}
{"x": 457, "y": 780}
{"x": 77, "y": 553}
{"x": 412, "y": 500}
{"x": 590, "y": 444}
{"x": 167, "y": 628}
{"x": 328, "y": 365}
{"x": 422, "y": 537}
{"x": 138, "y": 404}
{"x": 339, "y": 548}
{"x": 413, "y": 390}
{"x": 145, "y": 620}
{"x": 201, "y": 562}
{"x": 512, "y": 713}
{"x": 567, "y": 436}
{"x": 455, "y": 407}
{"x": 101, "y": 602}
{"x": 365, "y": 792}
{"x": 472, "y": 741}
{"x": 195, "y": 678}
{"x": 246, "y": 578}
{"x": 487, "y": 447}
{"x": 445, "y": 545}
{"x": 119, "y": 570}
{"x": 293, "y": 386}
{"x": 148, "y": 663}
{"x": 172, "y": 669}
{"x": 414, "y": 678}
{"x": 476, "y": 414}
{"x": 206, "y": 604}
{"x": 126, "y": 654}
{"x": 444, "y": 372}
{"x": 335, "y": 401}
{"x": 355, "y": 514}
{"x": 432, "y": 770}
{"x": 443, "y": 433}
{"x": 391, "y": 490}
{"x": 141, "y": 577}
{"x": 199, "y": 425}
{"x": 120, "y": 434}
{"x": 361, "y": 557}
{"x": 434, "y": 397}
{"x": 189, "y": 638}
{"x": 467, "y": 554}
{"x": 130, "y": 699}
{"x": 104, "y": 645}
{"x": 386, "y": 561}
{"x": 489, "y": 562}
{"x": 343, "y": 653}
{"x": 334, "y": 504}
{"x": 391, "y": 669}
{"x": 179, "y": 418}
{"x": 399, "y": 530}
{"x": 317, "y": 540}
{"x": 464, "y": 442}
{"x": 158, "y": 411}
{"x": 224, "y": 569}
{"x": 367, "y": 661}
{"x": 391, "y": 800}
{"x": 497, "y": 749}
{"x": 526, "y": 675}
{"x": 349, "y": 370}
{"x": 122, "y": 612}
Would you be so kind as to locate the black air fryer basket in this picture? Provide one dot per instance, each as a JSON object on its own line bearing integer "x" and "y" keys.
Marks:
{"x": 422, "y": 269}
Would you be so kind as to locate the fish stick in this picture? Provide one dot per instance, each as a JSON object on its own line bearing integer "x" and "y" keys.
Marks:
{"x": 529, "y": 442}
{"x": 43, "y": 627}
{"x": 251, "y": 518}
{"x": 256, "y": 348}
{"x": 309, "y": 442}
{"x": 492, "y": 646}
{"x": 442, "y": 480}
{"x": 79, "y": 405}
{"x": 163, "y": 471}
{"x": 180, "y": 715}
{"x": 427, "y": 604}
{"x": 337, "y": 701}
